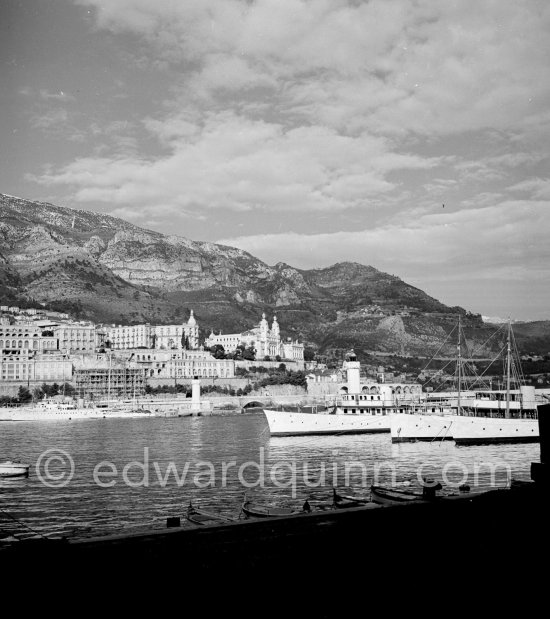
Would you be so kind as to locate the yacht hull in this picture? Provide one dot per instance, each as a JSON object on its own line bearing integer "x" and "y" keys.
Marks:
{"x": 488, "y": 430}
{"x": 282, "y": 423}
{"x": 407, "y": 428}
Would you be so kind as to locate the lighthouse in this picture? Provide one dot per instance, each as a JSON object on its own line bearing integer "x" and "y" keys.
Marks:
{"x": 352, "y": 367}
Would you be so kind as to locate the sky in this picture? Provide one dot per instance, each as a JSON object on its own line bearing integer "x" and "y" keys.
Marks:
{"x": 410, "y": 135}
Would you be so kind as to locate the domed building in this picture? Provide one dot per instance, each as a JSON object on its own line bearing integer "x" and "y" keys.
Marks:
{"x": 184, "y": 336}
{"x": 267, "y": 341}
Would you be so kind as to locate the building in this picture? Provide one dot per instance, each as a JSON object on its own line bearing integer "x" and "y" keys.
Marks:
{"x": 114, "y": 382}
{"x": 267, "y": 342}
{"x": 76, "y": 336}
{"x": 26, "y": 336}
{"x": 182, "y": 364}
{"x": 161, "y": 337}
{"x": 25, "y": 367}
{"x": 185, "y": 336}
{"x": 133, "y": 336}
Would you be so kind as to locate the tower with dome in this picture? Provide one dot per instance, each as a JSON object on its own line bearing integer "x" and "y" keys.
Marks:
{"x": 181, "y": 336}
{"x": 265, "y": 339}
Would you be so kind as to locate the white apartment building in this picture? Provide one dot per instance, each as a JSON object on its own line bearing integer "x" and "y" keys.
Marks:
{"x": 133, "y": 336}
{"x": 182, "y": 364}
{"x": 77, "y": 337}
{"x": 160, "y": 337}
{"x": 26, "y": 336}
{"x": 26, "y": 366}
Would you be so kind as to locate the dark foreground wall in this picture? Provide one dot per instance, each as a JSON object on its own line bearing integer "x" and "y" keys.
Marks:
{"x": 453, "y": 547}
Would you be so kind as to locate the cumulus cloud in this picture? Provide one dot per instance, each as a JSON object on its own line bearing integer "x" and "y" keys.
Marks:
{"x": 504, "y": 242}
{"x": 384, "y": 65}
{"x": 315, "y": 104}
{"x": 230, "y": 162}
{"x": 538, "y": 188}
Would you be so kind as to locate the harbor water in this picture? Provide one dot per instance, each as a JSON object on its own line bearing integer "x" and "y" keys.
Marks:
{"x": 96, "y": 477}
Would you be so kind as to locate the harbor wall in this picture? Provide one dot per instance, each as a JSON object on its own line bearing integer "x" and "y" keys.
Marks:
{"x": 323, "y": 556}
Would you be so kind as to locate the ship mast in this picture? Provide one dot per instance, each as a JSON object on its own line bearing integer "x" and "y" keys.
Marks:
{"x": 109, "y": 381}
{"x": 508, "y": 369}
{"x": 459, "y": 366}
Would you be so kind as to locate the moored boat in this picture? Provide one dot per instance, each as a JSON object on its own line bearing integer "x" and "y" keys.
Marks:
{"x": 358, "y": 409}
{"x": 340, "y": 501}
{"x": 476, "y": 417}
{"x": 256, "y": 510}
{"x": 479, "y": 430}
{"x": 389, "y": 496}
{"x": 58, "y": 408}
{"x": 11, "y": 468}
{"x": 499, "y": 416}
{"x": 386, "y": 496}
{"x": 204, "y": 517}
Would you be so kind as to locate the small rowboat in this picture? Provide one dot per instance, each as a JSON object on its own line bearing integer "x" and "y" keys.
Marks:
{"x": 265, "y": 511}
{"x": 341, "y": 501}
{"x": 203, "y": 517}
{"x": 11, "y": 468}
{"x": 385, "y": 496}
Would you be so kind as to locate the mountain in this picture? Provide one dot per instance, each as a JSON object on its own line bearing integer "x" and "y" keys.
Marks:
{"x": 113, "y": 271}
{"x": 533, "y": 337}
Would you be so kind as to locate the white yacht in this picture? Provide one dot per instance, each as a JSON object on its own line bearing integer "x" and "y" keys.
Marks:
{"x": 498, "y": 417}
{"x": 489, "y": 416}
{"x": 53, "y": 409}
{"x": 357, "y": 410}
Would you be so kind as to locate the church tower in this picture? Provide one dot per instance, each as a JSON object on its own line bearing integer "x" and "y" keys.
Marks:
{"x": 275, "y": 328}
{"x": 191, "y": 332}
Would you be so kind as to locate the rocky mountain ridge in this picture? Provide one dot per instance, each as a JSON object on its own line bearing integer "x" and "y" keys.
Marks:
{"x": 121, "y": 273}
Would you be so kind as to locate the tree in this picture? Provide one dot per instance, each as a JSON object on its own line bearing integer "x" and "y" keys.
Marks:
{"x": 24, "y": 395}
{"x": 217, "y": 351}
{"x": 249, "y": 353}
{"x": 238, "y": 353}
{"x": 68, "y": 389}
{"x": 309, "y": 354}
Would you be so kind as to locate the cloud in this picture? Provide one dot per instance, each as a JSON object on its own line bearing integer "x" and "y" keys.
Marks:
{"x": 322, "y": 105}
{"x": 538, "y": 188}
{"x": 505, "y": 240}
{"x": 52, "y": 118}
{"x": 231, "y": 162}
{"x": 392, "y": 67}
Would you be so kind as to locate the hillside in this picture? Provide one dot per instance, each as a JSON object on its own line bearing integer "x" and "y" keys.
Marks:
{"x": 125, "y": 274}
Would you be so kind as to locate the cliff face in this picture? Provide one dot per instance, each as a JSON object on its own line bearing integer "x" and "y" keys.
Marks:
{"x": 123, "y": 273}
